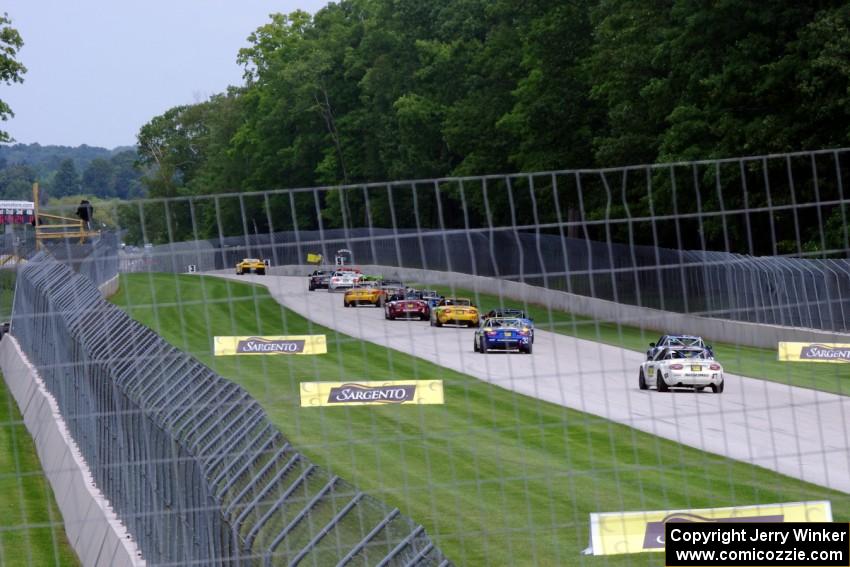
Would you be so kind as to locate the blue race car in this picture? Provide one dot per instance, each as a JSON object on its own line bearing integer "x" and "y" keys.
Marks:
{"x": 503, "y": 333}
{"x": 431, "y": 296}
{"x": 512, "y": 313}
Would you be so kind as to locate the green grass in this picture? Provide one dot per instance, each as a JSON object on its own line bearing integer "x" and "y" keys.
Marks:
{"x": 8, "y": 278}
{"x": 496, "y": 478}
{"x": 31, "y": 530}
{"x": 742, "y": 360}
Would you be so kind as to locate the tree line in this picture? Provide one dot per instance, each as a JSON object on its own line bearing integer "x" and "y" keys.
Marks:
{"x": 373, "y": 90}
{"x": 63, "y": 171}
{"x": 11, "y": 70}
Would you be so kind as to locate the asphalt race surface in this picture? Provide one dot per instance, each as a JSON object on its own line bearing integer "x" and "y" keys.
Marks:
{"x": 798, "y": 432}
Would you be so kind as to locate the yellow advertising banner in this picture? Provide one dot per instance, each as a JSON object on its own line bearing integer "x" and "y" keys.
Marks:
{"x": 395, "y": 392}
{"x": 814, "y": 352}
{"x": 295, "y": 344}
{"x": 635, "y": 532}
{"x": 314, "y": 258}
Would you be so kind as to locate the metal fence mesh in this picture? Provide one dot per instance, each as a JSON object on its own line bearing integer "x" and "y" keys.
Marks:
{"x": 796, "y": 292}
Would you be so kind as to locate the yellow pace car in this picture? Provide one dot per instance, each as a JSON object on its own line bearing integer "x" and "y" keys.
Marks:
{"x": 365, "y": 295}
{"x": 457, "y": 311}
{"x": 248, "y": 265}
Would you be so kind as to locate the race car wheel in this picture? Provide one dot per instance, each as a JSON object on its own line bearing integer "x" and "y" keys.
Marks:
{"x": 311, "y": 288}
{"x": 475, "y": 345}
{"x": 261, "y": 272}
{"x": 437, "y": 323}
{"x": 482, "y": 347}
{"x": 527, "y": 349}
{"x": 660, "y": 384}
{"x": 347, "y": 304}
{"x": 642, "y": 381}
{"x": 717, "y": 389}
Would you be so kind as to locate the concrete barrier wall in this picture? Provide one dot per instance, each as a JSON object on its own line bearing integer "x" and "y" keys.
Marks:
{"x": 109, "y": 287}
{"x": 93, "y": 529}
{"x": 712, "y": 329}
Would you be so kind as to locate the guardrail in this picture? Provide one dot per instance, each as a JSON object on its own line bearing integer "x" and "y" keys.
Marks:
{"x": 188, "y": 460}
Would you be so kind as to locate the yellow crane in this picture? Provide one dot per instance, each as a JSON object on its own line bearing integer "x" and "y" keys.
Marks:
{"x": 49, "y": 226}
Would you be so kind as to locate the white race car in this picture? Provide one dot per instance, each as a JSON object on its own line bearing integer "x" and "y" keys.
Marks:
{"x": 681, "y": 368}
{"x": 676, "y": 342}
{"x": 343, "y": 279}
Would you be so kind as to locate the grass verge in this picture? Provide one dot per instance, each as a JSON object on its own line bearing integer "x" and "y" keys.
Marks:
{"x": 31, "y": 529}
{"x": 495, "y": 477}
{"x": 741, "y": 360}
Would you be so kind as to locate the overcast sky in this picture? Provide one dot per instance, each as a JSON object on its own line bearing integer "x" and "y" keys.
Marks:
{"x": 100, "y": 69}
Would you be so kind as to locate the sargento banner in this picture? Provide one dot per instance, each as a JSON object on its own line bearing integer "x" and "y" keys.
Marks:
{"x": 814, "y": 352}
{"x": 295, "y": 344}
{"x": 396, "y": 392}
{"x": 634, "y": 532}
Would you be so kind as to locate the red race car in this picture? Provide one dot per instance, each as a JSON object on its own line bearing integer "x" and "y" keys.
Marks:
{"x": 406, "y": 305}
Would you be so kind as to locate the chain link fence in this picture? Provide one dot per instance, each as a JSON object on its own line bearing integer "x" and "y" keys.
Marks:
{"x": 189, "y": 461}
{"x": 759, "y": 239}
{"x": 797, "y": 292}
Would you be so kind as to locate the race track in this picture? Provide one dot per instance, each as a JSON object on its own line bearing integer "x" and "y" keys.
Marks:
{"x": 798, "y": 432}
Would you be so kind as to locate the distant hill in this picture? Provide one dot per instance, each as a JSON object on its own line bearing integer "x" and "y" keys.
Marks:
{"x": 62, "y": 171}
{"x": 46, "y": 159}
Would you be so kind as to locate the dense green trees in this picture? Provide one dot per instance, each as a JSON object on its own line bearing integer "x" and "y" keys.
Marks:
{"x": 11, "y": 70}
{"x": 375, "y": 90}
{"x": 66, "y": 181}
{"x": 16, "y": 182}
{"x": 102, "y": 173}
{"x": 124, "y": 177}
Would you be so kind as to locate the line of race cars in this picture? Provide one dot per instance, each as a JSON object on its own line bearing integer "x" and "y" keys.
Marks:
{"x": 674, "y": 361}
{"x": 497, "y": 329}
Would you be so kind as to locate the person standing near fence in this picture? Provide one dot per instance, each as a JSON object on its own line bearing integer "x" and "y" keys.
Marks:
{"x": 85, "y": 211}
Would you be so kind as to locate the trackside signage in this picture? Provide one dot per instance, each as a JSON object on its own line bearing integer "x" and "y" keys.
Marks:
{"x": 814, "y": 352}
{"x": 297, "y": 344}
{"x": 635, "y": 532}
{"x": 397, "y": 392}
